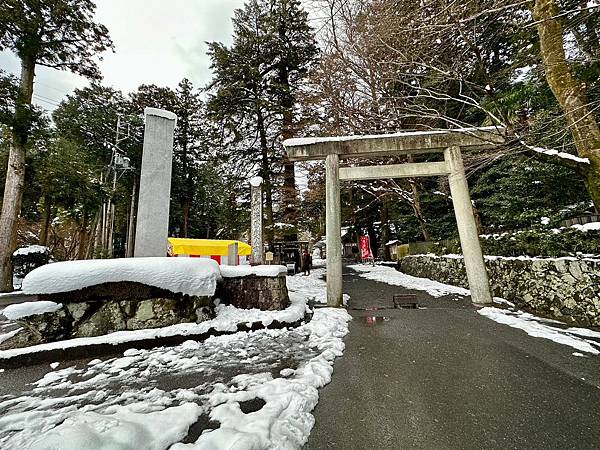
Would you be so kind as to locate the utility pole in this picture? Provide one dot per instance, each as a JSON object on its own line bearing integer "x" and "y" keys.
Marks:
{"x": 118, "y": 163}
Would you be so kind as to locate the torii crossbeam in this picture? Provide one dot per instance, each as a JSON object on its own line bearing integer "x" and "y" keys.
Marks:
{"x": 450, "y": 142}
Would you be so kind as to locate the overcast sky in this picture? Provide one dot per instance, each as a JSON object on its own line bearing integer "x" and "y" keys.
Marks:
{"x": 156, "y": 42}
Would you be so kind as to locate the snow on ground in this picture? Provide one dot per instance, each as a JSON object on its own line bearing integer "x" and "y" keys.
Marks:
{"x": 192, "y": 276}
{"x": 193, "y": 395}
{"x": 313, "y": 286}
{"x": 391, "y": 276}
{"x": 149, "y": 398}
{"x": 20, "y": 310}
{"x": 537, "y": 327}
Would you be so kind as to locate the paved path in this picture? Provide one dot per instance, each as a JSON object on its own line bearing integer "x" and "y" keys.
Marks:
{"x": 445, "y": 377}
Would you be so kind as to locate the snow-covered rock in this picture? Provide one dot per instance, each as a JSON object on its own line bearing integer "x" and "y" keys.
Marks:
{"x": 191, "y": 276}
{"x": 21, "y": 310}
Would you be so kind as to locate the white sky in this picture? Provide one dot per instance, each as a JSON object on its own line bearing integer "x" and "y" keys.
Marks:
{"x": 156, "y": 42}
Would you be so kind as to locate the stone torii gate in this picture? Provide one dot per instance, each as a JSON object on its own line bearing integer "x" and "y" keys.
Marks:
{"x": 448, "y": 142}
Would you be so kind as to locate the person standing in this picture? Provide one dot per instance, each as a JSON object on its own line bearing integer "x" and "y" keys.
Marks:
{"x": 306, "y": 262}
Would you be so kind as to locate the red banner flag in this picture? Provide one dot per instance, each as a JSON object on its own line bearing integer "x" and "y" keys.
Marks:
{"x": 365, "y": 247}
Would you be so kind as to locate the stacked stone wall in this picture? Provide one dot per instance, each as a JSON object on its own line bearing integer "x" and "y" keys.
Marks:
{"x": 561, "y": 288}
{"x": 109, "y": 307}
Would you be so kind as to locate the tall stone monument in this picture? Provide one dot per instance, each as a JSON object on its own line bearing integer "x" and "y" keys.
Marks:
{"x": 152, "y": 226}
{"x": 256, "y": 221}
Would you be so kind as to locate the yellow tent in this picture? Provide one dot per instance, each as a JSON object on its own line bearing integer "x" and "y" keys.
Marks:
{"x": 206, "y": 247}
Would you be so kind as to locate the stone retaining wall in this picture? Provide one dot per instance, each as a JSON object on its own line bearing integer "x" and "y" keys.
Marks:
{"x": 252, "y": 291}
{"x": 559, "y": 288}
{"x": 109, "y": 307}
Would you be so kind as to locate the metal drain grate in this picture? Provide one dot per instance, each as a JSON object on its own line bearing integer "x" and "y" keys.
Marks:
{"x": 405, "y": 301}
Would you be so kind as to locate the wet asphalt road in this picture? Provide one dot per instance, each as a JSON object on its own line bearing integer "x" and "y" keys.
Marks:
{"x": 444, "y": 377}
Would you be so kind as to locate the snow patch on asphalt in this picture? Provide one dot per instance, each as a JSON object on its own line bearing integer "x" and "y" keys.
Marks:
{"x": 537, "y": 327}
{"x": 126, "y": 427}
{"x": 313, "y": 286}
{"x": 391, "y": 276}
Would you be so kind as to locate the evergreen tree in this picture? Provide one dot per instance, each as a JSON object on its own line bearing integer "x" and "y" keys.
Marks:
{"x": 55, "y": 33}
{"x": 254, "y": 91}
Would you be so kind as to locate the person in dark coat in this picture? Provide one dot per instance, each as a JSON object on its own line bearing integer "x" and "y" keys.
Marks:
{"x": 306, "y": 262}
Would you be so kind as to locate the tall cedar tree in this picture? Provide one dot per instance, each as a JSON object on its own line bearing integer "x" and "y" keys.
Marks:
{"x": 255, "y": 85}
{"x": 55, "y": 33}
{"x": 293, "y": 50}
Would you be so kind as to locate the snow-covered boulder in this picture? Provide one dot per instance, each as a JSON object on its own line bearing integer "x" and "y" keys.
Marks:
{"x": 104, "y": 296}
{"x": 188, "y": 276}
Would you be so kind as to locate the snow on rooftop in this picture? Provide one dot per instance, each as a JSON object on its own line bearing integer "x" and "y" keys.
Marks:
{"x": 20, "y": 310}
{"x": 587, "y": 226}
{"x": 191, "y": 276}
{"x": 246, "y": 270}
{"x": 294, "y": 142}
{"x": 31, "y": 249}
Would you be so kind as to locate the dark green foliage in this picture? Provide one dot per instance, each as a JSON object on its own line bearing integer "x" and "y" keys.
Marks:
{"x": 543, "y": 242}
{"x": 254, "y": 90}
{"x": 517, "y": 192}
{"x": 55, "y": 33}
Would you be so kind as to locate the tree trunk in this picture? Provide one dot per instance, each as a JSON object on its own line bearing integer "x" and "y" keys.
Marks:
{"x": 83, "y": 237}
{"x": 419, "y": 211}
{"x": 92, "y": 242}
{"x": 45, "y": 224}
{"x": 289, "y": 196}
{"x": 266, "y": 176}
{"x": 385, "y": 231}
{"x": 131, "y": 221}
{"x": 15, "y": 174}
{"x": 186, "y": 214}
{"x": 570, "y": 93}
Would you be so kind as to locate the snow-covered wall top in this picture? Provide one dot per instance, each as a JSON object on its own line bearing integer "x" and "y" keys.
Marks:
{"x": 191, "y": 276}
{"x": 20, "y": 310}
{"x": 31, "y": 249}
{"x": 244, "y": 271}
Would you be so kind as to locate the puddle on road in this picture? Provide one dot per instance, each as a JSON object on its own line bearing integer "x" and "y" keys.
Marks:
{"x": 375, "y": 320}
